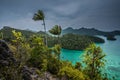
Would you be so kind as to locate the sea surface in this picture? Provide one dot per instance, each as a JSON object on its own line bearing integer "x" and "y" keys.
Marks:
{"x": 110, "y": 48}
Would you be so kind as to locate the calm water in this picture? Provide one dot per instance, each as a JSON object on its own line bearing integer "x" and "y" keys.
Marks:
{"x": 110, "y": 48}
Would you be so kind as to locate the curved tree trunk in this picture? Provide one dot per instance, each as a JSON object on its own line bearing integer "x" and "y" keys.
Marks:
{"x": 58, "y": 39}
{"x": 45, "y": 32}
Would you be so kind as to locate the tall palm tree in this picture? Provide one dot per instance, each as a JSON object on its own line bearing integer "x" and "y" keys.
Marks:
{"x": 56, "y": 30}
{"x": 40, "y": 16}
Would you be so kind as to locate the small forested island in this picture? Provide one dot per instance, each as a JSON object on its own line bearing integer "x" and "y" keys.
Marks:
{"x": 78, "y": 42}
{"x": 74, "y": 41}
{"x": 111, "y": 37}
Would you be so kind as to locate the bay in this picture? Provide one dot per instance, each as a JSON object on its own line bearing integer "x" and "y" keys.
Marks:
{"x": 110, "y": 48}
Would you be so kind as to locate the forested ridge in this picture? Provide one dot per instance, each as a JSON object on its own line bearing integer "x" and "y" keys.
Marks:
{"x": 68, "y": 41}
{"x": 74, "y": 41}
{"x": 90, "y": 31}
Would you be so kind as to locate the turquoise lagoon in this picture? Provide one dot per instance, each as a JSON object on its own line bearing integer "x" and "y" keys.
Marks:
{"x": 110, "y": 48}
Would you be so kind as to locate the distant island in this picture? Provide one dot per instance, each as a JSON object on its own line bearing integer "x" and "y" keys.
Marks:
{"x": 111, "y": 37}
{"x": 92, "y": 32}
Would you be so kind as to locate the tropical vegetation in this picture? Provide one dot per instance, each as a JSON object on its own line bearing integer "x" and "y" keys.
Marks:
{"x": 35, "y": 54}
{"x": 74, "y": 41}
{"x": 30, "y": 58}
{"x": 40, "y": 16}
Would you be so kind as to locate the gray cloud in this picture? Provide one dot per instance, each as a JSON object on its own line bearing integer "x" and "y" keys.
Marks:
{"x": 100, "y": 14}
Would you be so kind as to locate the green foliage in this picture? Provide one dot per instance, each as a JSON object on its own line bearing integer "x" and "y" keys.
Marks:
{"x": 57, "y": 50}
{"x": 42, "y": 57}
{"x": 56, "y": 30}
{"x": 34, "y": 53}
{"x": 8, "y": 35}
{"x": 95, "y": 39}
{"x": 44, "y": 65}
{"x": 39, "y": 15}
{"x": 39, "y": 53}
{"x": 53, "y": 65}
{"x": 10, "y": 73}
{"x": 66, "y": 63}
{"x": 73, "y": 41}
{"x": 77, "y": 42}
{"x": 36, "y": 41}
{"x": 22, "y": 47}
{"x": 18, "y": 37}
{"x": 71, "y": 73}
{"x": 52, "y": 41}
{"x": 13, "y": 70}
{"x": 78, "y": 66}
{"x": 94, "y": 62}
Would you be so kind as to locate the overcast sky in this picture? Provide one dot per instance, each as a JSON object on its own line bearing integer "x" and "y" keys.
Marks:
{"x": 100, "y": 14}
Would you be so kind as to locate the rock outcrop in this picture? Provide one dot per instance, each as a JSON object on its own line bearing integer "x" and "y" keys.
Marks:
{"x": 6, "y": 56}
{"x": 31, "y": 74}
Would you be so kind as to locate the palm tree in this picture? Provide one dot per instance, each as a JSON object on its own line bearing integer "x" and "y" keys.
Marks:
{"x": 40, "y": 16}
{"x": 56, "y": 30}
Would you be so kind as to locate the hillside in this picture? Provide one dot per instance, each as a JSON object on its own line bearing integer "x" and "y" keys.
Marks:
{"x": 7, "y": 32}
{"x": 74, "y": 41}
{"x": 78, "y": 42}
{"x": 68, "y": 41}
{"x": 91, "y": 31}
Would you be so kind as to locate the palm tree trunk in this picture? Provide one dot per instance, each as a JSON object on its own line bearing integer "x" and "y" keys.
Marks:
{"x": 45, "y": 32}
{"x": 58, "y": 39}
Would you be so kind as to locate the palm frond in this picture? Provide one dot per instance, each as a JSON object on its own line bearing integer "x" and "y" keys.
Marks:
{"x": 38, "y": 16}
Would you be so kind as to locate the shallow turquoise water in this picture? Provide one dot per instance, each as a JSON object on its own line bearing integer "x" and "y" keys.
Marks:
{"x": 71, "y": 55}
{"x": 110, "y": 48}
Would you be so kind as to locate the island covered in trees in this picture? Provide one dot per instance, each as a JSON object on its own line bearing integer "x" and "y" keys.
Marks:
{"x": 92, "y": 32}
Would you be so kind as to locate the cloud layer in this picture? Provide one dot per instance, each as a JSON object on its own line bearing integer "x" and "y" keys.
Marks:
{"x": 100, "y": 14}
